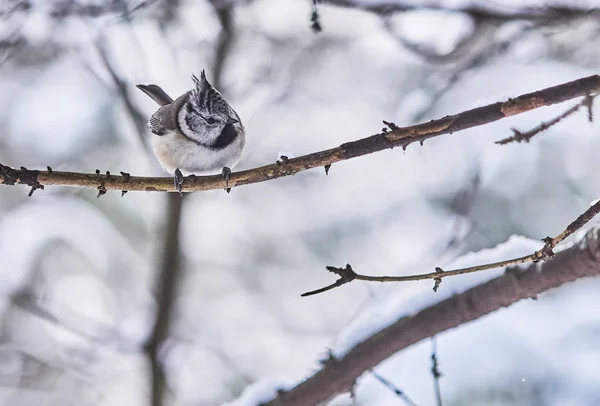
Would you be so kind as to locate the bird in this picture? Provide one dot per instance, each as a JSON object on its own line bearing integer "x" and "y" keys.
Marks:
{"x": 198, "y": 133}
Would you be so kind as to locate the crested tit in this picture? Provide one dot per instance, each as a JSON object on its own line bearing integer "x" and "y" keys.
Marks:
{"x": 197, "y": 133}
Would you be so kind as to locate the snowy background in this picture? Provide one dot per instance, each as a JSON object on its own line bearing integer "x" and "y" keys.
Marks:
{"x": 76, "y": 272}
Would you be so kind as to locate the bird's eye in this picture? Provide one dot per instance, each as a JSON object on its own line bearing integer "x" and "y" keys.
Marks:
{"x": 211, "y": 120}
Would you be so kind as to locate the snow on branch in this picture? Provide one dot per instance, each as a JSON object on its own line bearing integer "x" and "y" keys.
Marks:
{"x": 347, "y": 274}
{"x": 340, "y": 372}
{"x": 394, "y": 137}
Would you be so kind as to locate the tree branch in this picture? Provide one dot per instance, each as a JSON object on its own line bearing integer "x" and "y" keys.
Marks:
{"x": 168, "y": 276}
{"x": 435, "y": 372}
{"x": 397, "y": 391}
{"x": 347, "y": 274}
{"x": 67, "y": 8}
{"x": 519, "y": 136}
{"x": 396, "y": 137}
{"x": 475, "y": 9}
{"x": 338, "y": 376}
{"x": 139, "y": 121}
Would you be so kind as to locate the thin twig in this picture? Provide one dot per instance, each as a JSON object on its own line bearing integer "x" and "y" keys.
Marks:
{"x": 397, "y": 391}
{"x": 435, "y": 372}
{"x": 519, "y": 136}
{"x": 121, "y": 87}
{"x": 67, "y": 8}
{"x": 579, "y": 261}
{"x": 396, "y": 137}
{"x": 347, "y": 274}
{"x": 315, "y": 18}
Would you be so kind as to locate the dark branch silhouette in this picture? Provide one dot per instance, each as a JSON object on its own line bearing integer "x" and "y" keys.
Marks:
{"x": 473, "y": 8}
{"x": 397, "y": 391}
{"x": 435, "y": 372}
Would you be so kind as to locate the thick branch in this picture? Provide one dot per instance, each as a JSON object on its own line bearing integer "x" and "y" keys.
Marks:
{"x": 338, "y": 376}
{"x": 397, "y": 137}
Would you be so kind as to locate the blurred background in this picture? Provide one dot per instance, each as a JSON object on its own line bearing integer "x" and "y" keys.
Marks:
{"x": 78, "y": 274}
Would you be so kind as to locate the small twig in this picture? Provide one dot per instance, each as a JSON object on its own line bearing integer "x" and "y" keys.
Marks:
{"x": 435, "y": 372}
{"x": 589, "y": 103}
{"x": 353, "y": 394}
{"x": 437, "y": 281}
{"x": 120, "y": 85}
{"x": 519, "y": 136}
{"x": 67, "y": 8}
{"x": 315, "y": 18}
{"x": 393, "y": 388}
{"x": 347, "y": 274}
{"x": 11, "y": 176}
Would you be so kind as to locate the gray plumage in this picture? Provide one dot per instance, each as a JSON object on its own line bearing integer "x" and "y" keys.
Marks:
{"x": 199, "y": 132}
{"x": 156, "y": 93}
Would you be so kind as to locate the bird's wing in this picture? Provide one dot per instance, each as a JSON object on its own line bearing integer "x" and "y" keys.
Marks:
{"x": 163, "y": 120}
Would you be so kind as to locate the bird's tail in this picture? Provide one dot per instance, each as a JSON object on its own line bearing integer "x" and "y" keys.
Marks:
{"x": 156, "y": 93}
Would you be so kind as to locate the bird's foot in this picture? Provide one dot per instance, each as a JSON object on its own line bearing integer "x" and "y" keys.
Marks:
{"x": 226, "y": 173}
{"x": 178, "y": 180}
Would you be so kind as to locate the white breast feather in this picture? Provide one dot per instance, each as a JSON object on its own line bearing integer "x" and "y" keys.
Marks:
{"x": 174, "y": 150}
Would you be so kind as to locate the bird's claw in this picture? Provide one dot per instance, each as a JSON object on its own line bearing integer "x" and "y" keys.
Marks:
{"x": 226, "y": 174}
{"x": 178, "y": 181}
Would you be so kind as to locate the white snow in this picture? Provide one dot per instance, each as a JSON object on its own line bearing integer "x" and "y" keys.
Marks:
{"x": 260, "y": 392}
{"x": 248, "y": 255}
{"x": 402, "y": 303}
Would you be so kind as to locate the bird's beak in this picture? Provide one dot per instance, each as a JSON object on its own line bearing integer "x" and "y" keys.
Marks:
{"x": 232, "y": 120}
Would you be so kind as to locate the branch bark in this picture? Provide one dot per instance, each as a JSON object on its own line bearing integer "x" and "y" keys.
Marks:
{"x": 396, "y": 137}
{"x": 338, "y": 375}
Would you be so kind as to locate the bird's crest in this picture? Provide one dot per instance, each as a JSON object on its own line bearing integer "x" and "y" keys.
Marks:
{"x": 205, "y": 98}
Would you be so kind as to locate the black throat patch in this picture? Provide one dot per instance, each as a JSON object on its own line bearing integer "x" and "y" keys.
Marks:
{"x": 227, "y": 136}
